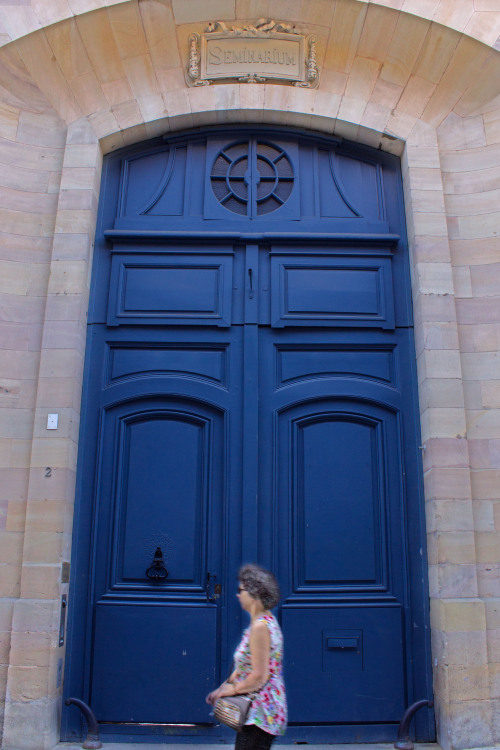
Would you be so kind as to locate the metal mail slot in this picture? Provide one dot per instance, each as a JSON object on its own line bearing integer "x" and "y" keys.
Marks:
{"x": 342, "y": 643}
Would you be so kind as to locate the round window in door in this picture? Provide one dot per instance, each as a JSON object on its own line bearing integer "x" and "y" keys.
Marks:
{"x": 252, "y": 178}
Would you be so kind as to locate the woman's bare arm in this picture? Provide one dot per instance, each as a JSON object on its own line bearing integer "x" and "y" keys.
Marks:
{"x": 260, "y": 650}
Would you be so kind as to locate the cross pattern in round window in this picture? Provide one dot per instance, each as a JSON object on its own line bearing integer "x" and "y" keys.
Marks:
{"x": 252, "y": 178}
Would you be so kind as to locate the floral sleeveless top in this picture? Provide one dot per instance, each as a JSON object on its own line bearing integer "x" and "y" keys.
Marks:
{"x": 269, "y": 709}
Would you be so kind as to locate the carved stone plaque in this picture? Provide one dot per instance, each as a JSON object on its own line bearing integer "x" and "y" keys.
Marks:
{"x": 254, "y": 54}
{"x": 233, "y": 57}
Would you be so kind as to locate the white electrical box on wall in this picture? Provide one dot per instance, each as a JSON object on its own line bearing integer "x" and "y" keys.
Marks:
{"x": 52, "y": 421}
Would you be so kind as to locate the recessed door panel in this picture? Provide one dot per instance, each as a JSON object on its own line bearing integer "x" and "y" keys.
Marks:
{"x": 305, "y": 361}
{"x": 175, "y": 642}
{"x": 164, "y": 485}
{"x": 353, "y": 663}
{"x": 339, "y": 495}
{"x": 314, "y": 290}
{"x": 338, "y": 499}
{"x": 184, "y": 360}
{"x": 181, "y": 289}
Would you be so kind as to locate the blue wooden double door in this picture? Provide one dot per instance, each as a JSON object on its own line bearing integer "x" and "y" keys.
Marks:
{"x": 250, "y": 396}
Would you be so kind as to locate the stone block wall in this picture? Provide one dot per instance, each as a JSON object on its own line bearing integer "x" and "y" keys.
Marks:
{"x": 32, "y": 140}
{"x": 470, "y": 157}
{"x": 36, "y": 659}
{"x": 421, "y": 78}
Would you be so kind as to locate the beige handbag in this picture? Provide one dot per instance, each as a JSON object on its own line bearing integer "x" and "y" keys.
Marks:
{"x": 233, "y": 710}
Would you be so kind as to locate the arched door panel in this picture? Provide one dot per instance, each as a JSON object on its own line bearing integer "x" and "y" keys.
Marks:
{"x": 160, "y": 489}
{"x": 340, "y": 517}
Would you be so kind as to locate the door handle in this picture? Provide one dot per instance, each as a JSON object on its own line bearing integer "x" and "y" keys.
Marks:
{"x": 157, "y": 571}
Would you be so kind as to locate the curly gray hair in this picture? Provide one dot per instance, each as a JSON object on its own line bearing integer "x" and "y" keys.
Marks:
{"x": 260, "y": 584}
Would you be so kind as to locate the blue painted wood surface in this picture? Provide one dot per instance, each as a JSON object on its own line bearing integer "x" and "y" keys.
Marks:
{"x": 250, "y": 394}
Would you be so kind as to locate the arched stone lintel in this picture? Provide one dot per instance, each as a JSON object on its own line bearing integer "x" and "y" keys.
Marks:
{"x": 362, "y": 134}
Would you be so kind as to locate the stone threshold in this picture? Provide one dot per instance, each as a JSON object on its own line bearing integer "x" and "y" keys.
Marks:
{"x": 282, "y": 746}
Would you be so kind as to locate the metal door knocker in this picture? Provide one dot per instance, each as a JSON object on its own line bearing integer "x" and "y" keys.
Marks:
{"x": 157, "y": 571}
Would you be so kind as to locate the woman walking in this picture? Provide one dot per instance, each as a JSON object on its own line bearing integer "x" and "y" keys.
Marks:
{"x": 258, "y": 662}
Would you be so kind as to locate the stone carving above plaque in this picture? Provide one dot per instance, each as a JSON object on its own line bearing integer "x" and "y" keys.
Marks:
{"x": 267, "y": 51}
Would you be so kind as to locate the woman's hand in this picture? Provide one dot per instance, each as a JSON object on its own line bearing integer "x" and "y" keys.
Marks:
{"x": 213, "y": 697}
{"x": 225, "y": 689}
